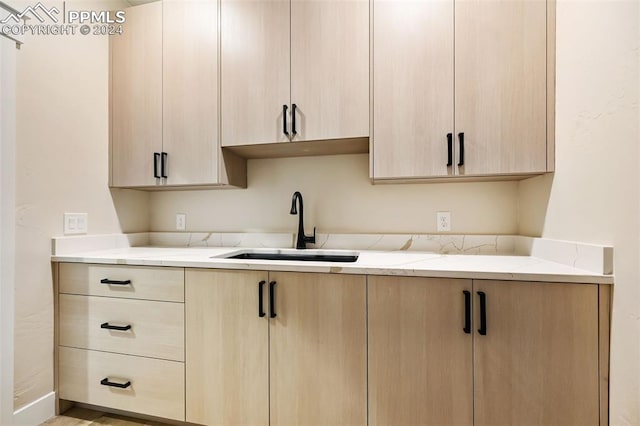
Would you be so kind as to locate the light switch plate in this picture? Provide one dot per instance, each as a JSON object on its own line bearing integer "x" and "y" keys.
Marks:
{"x": 76, "y": 223}
{"x": 443, "y": 221}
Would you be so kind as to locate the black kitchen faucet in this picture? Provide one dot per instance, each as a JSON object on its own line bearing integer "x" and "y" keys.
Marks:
{"x": 302, "y": 240}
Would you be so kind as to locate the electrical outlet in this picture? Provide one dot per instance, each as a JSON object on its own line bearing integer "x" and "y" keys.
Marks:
{"x": 443, "y": 221}
{"x": 181, "y": 222}
{"x": 76, "y": 223}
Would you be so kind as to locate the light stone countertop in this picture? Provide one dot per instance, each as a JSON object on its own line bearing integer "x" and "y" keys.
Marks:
{"x": 398, "y": 263}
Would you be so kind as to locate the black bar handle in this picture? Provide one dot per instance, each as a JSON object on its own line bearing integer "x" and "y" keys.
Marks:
{"x": 467, "y": 311}
{"x": 115, "y": 327}
{"x": 163, "y": 165}
{"x": 106, "y": 382}
{"x": 461, "y": 138}
{"x": 114, "y": 282}
{"x": 449, "y": 149}
{"x": 156, "y": 158}
{"x": 293, "y": 119}
{"x": 260, "y": 297}
{"x": 284, "y": 120}
{"x": 483, "y": 313}
{"x": 272, "y": 299}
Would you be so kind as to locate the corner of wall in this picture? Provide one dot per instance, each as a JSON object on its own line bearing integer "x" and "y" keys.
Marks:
{"x": 36, "y": 412}
{"x": 532, "y": 201}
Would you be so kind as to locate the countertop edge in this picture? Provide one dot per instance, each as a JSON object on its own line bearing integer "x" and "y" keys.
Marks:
{"x": 408, "y": 269}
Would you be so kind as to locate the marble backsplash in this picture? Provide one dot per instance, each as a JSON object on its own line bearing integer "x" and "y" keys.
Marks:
{"x": 221, "y": 239}
{"x": 443, "y": 244}
{"x": 434, "y": 243}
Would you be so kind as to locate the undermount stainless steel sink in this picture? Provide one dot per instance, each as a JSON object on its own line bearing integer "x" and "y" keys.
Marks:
{"x": 294, "y": 255}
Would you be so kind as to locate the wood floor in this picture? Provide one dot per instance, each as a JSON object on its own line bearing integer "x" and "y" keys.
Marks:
{"x": 84, "y": 417}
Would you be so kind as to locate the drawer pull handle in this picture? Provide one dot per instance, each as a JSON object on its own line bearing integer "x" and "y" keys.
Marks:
{"x": 461, "y": 138}
{"x": 114, "y": 282}
{"x": 156, "y": 158}
{"x": 284, "y": 120}
{"x": 106, "y": 382}
{"x": 293, "y": 119}
{"x": 272, "y": 299}
{"x": 261, "y": 312}
{"x": 483, "y": 313}
{"x": 467, "y": 311}
{"x": 163, "y": 165}
{"x": 115, "y": 327}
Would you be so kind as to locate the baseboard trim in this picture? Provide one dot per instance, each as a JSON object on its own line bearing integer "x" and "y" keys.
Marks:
{"x": 37, "y": 412}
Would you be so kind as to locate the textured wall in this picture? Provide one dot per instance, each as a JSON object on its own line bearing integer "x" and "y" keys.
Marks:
{"x": 62, "y": 166}
{"x": 595, "y": 193}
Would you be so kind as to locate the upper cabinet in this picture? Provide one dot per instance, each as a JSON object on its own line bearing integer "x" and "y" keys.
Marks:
{"x": 294, "y": 70}
{"x": 190, "y": 90}
{"x": 461, "y": 88}
{"x": 136, "y": 98}
{"x": 330, "y": 69}
{"x": 412, "y": 88}
{"x": 255, "y": 71}
{"x": 454, "y": 88}
{"x": 164, "y": 99}
{"x": 500, "y": 86}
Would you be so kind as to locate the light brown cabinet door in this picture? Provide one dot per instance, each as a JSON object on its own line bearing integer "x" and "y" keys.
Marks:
{"x": 420, "y": 357}
{"x": 136, "y": 97}
{"x": 190, "y": 91}
{"x": 537, "y": 364}
{"x": 501, "y": 86}
{"x": 330, "y": 68}
{"x": 255, "y": 81}
{"x": 412, "y": 88}
{"x": 227, "y": 357}
{"x": 318, "y": 350}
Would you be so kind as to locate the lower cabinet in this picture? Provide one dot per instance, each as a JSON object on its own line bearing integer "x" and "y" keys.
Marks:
{"x": 537, "y": 361}
{"x": 120, "y": 338}
{"x": 318, "y": 350}
{"x": 420, "y": 358}
{"x": 449, "y": 352}
{"x": 275, "y": 348}
{"x": 227, "y": 348}
{"x": 234, "y": 347}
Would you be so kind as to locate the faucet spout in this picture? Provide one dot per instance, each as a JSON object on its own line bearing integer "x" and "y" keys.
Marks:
{"x": 301, "y": 240}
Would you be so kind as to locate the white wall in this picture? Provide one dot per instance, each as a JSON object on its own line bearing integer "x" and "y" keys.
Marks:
{"x": 338, "y": 197}
{"x": 7, "y": 223}
{"x": 595, "y": 193}
{"x": 62, "y": 166}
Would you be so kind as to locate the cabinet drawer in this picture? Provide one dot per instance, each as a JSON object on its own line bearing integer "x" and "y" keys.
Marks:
{"x": 157, "y": 328}
{"x": 150, "y": 283}
{"x": 156, "y": 389}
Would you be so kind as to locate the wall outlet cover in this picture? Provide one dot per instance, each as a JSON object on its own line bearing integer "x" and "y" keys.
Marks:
{"x": 443, "y": 221}
{"x": 181, "y": 222}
